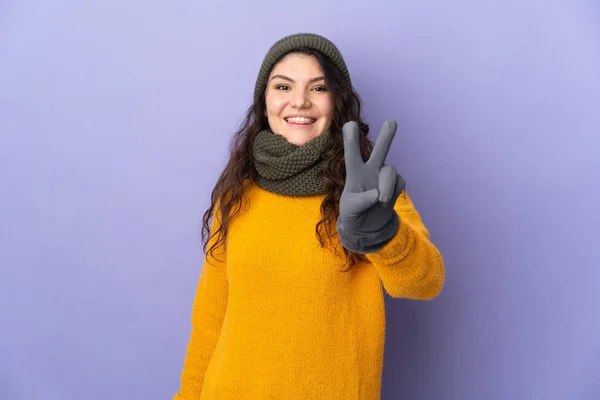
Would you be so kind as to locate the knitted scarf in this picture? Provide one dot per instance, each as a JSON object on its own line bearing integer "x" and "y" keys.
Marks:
{"x": 287, "y": 169}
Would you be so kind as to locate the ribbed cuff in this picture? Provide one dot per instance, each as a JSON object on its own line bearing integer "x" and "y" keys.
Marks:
{"x": 397, "y": 248}
{"x": 365, "y": 243}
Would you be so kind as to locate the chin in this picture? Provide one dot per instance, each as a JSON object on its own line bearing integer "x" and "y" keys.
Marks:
{"x": 299, "y": 140}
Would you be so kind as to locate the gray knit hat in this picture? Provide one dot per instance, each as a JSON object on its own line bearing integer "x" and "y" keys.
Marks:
{"x": 296, "y": 41}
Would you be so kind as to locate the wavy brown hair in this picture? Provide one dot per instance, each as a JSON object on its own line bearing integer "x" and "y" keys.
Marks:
{"x": 229, "y": 191}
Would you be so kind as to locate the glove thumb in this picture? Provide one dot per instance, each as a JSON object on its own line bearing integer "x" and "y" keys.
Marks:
{"x": 360, "y": 202}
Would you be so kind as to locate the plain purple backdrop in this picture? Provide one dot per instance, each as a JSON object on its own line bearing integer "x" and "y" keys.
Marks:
{"x": 115, "y": 120}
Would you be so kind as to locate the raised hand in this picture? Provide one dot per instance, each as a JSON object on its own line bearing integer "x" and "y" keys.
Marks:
{"x": 367, "y": 219}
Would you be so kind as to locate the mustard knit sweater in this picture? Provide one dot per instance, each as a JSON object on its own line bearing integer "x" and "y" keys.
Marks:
{"x": 279, "y": 320}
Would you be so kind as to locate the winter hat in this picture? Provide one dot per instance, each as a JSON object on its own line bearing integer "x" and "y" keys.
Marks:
{"x": 287, "y": 44}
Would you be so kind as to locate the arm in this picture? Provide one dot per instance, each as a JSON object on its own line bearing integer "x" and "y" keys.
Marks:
{"x": 409, "y": 265}
{"x": 378, "y": 219}
{"x": 208, "y": 312}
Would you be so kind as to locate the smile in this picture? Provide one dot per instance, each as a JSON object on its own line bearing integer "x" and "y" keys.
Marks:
{"x": 300, "y": 120}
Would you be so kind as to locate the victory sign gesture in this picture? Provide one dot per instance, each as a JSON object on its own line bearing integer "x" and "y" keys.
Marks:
{"x": 367, "y": 219}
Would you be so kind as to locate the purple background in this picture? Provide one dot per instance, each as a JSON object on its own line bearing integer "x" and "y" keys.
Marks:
{"x": 115, "y": 119}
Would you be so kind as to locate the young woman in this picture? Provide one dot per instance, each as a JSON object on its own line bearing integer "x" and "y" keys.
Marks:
{"x": 300, "y": 235}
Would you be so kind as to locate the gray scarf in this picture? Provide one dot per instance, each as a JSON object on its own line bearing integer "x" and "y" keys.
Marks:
{"x": 287, "y": 169}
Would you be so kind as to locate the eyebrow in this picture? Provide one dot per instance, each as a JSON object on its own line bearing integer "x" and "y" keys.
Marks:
{"x": 318, "y": 78}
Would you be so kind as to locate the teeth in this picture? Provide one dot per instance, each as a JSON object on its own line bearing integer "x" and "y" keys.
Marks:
{"x": 301, "y": 120}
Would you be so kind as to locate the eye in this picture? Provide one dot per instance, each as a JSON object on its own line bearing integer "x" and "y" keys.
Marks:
{"x": 282, "y": 87}
{"x": 320, "y": 89}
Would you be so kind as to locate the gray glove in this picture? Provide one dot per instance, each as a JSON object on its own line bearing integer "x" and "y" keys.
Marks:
{"x": 367, "y": 219}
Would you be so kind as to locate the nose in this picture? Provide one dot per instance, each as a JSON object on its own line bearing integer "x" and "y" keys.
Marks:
{"x": 300, "y": 99}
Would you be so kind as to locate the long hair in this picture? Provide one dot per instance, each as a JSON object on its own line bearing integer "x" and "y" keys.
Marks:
{"x": 229, "y": 191}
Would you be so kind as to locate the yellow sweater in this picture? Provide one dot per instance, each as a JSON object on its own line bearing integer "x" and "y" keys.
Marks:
{"x": 279, "y": 320}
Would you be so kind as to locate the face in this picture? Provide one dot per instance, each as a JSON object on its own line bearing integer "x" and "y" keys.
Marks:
{"x": 299, "y": 107}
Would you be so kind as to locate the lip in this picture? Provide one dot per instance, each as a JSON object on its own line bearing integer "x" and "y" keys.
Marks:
{"x": 295, "y": 124}
{"x": 300, "y": 126}
{"x": 300, "y": 115}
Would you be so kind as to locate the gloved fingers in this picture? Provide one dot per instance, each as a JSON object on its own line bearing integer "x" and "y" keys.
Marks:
{"x": 383, "y": 144}
{"x": 400, "y": 185}
{"x": 352, "y": 156}
{"x": 357, "y": 203}
{"x": 387, "y": 183}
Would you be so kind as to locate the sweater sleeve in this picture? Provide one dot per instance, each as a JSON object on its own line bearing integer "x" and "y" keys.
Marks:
{"x": 208, "y": 312}
{"x": 409, "y": 266}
